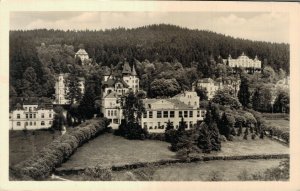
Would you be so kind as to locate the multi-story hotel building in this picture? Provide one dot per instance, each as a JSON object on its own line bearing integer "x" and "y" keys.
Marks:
{"x": 31, "y": 116}
{"x": 83, "y": 55}
{"x": 245, "y": 62}
{"x": 160, "y": 111}
{"x": 61, "y": 89}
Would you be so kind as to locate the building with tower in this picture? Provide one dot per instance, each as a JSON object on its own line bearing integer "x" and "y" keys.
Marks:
{"x": 243, "y": 61}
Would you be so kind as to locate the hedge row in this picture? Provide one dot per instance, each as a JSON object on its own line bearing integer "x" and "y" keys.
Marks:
{"x": 42, "y": 164}
{"x": 281, "y": 133}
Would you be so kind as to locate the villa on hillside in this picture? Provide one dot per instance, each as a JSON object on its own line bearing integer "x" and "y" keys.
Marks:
{"x": 113, "y": 88}
{"x": 243, "y": 61}
{"x": 84, "y": 57}
{"x": 31, "y": 116}
{"x": 209, "y": 84}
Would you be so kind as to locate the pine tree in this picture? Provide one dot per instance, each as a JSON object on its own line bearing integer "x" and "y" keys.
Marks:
{"x": 74, "y": 92}
{"x": 87, "y": 104}
{"x": 244, "y": 93}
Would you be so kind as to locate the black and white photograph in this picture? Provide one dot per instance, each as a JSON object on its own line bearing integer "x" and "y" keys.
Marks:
{"x": 100, "y": 96}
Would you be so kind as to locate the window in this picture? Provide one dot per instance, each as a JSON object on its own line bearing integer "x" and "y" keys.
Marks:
{"x": 43, "y": 123}
{"x": 172, "y": 114}
{"x": 26, "y": 116}
{"x": 30, "y": 116}
{"x": 191, "y": 113}
{"x": 158, "y": 124}
{"x": 180, "y": 113}
{"x": 198, "y": 113}
{"x": 50, "y": 122}
{"x": 18, "y": 116}
{"x": 191, "y": 124}
{"x": 195, "y": 103}
{"x": 30, "y": 123}
{"x": 166, "y": 114}
{"x": 29, "y": 108}
{"x": 150, "y": 114}
{"x": 26, "y": 123}
{"x": 145, "y": 124}
{"x": 25, "y": 108}
{"x": 115, "y": 121}
{"x": 34, "y": 115}
{"x": 189, "y": 103}
{"x": 18, "y": 123}
{"x": 108, "y": 112}
{"x": 145, "y": 114}
{"x": 34, "y": 123}
{"x": 158, "y": 114}
{"x": 185, "y": 113}
{"x": 202, "y": 113}
{"x": 42, "y": 115}
{"x": 50, "y": 115}
{"x": 115, "y": 112}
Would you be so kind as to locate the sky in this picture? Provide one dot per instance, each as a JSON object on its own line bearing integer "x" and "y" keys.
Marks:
{"x": 262, "y": 26}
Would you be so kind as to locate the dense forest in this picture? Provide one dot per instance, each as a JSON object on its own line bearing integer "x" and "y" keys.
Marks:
{"x": 37, "y": 55}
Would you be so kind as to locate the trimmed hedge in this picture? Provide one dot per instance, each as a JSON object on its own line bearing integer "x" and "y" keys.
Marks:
{"x": 42, "y": 164}
{"x": 276, "y": 115}
{"x": 281, "y": 133}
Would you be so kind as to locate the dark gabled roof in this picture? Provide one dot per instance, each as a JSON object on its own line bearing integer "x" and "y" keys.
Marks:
{"x": 126, "y": 68}
{"x": 111, "y": 82}
{"x": 133, "y": 73}
{"x": 112, "y": 95}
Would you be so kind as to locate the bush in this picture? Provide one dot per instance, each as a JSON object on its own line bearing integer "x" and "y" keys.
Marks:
{"x": 97, "y": 173}
{"x": 156, "y": 136}
{"x": 42, "y": 164}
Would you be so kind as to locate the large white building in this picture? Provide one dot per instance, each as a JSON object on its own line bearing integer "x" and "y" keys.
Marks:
{"x": 31, "y": 116}
{"x": 115, "y": 87}
{"x": 61, "y": 89}
{"x": 243, "y": 61}
{"x": 160, "y": 111}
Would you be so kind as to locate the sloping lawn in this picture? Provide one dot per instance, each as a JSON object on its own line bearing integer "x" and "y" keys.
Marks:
{"x": 108, "y": 150}
{"x": 23, "y": 145}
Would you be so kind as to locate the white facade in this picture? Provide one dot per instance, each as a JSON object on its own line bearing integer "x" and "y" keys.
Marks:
{"x": 209, "y": 84}
{"x": 111, "y": 109}
{"x": 244, "y": 61}
{"x": 31, "y": 117}
{"x": 82, "y": 54}
{"x": 160, "y": 111}
{"x": 61, "y": 89}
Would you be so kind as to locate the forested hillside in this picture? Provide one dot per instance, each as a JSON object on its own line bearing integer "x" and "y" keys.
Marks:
{"x": 37, "y": 55}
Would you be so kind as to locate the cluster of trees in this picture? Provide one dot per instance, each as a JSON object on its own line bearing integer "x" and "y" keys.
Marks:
{"x": 49, "y": 52}
{"x": 259, "y": 91}
{"x": 133, "y": 109}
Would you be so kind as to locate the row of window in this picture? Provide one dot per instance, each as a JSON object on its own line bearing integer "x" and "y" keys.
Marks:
{"x": 111, "y": 113}
{"x": 162, "y": 126}
{"x": 171, "y": 114}
{"x": 33, "y": 123}
{"x": 33, "y": 115}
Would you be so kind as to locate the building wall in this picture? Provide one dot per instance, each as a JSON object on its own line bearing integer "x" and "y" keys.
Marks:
{"x": 31, "y": 118}
{"x": 111, "y": 110}
{"x": 156, "y": 124}
{"x": 244, "y": 61}
{"x": 211, "y": 88}
{"x": 133, "y": 82}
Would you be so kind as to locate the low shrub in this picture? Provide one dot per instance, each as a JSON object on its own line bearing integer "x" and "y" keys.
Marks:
{"x": 156, "y": 136}
{"x": 97, "y": 173}
{"x": 42, "y": 164}
{"x": 281, "y": 133}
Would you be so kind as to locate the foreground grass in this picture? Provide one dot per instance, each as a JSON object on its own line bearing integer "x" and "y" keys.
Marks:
{"x": 199, "y": 171}
{"x": 108, "y": 150}
{"x": 23, "y": 145}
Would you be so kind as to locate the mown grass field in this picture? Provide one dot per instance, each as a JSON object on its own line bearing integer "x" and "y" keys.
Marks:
{"x": 108, "y": 150}
{"x": 200, "y": 171}
{"x": 23, "y": 145}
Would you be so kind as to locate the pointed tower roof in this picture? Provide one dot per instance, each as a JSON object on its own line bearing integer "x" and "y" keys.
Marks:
{"x": 126, "y": 68}
{"x": 133, "y": 73}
